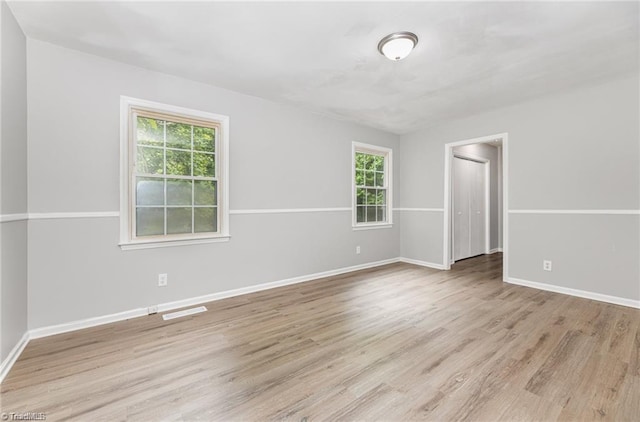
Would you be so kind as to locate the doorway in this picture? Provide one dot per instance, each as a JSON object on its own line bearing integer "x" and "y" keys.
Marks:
{"x": 475, "y": 207}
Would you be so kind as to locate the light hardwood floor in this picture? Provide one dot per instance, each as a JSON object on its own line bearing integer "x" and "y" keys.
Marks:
{"x": 397, "y": 342}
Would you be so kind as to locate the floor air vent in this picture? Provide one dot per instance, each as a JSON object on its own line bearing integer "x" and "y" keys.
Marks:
{"x": 186, "y": 312}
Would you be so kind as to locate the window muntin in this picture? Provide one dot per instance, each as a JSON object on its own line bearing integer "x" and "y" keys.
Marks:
{"x": 175, "y": 176}
{"x": 371, "y": 185}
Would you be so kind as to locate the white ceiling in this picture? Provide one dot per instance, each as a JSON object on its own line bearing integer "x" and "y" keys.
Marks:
{"x": 322, "y": 56}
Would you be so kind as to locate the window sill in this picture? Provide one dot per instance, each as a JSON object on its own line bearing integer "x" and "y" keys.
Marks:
{"x": 128, "y": 246}
{"x": 372, "y": 226}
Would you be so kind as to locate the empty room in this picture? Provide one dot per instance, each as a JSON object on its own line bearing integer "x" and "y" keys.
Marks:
{"x": 319, "y": 211}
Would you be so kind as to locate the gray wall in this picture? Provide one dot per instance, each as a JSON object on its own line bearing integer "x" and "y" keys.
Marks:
{"x": 13, "y": 180}
{"x": 280, "y": 157}
{"x": 577, "y": 150}
{"x": 490, "y": 153}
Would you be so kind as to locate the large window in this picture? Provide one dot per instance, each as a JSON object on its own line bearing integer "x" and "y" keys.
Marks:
{"x": 176, "y": 162}
{"x": 371, "y": 186}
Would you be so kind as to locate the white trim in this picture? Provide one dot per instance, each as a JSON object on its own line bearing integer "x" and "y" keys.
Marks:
{"x": 481, "y": 140}
{"x": 114, "y": 214}
{"x": 286, "y": 210}
{"x": 448, "y": 157}
{"x": 87, "y": 323}
{"x": 495, "y": 250}
{"x": 64, "y": 215}
{"x": 364, "y": 226}
{"x": 420, "y": 209}
{"x": 487, "y": 208}
{"x": 504, "y": 160}
{"x": 106, "y": 319}
{"x": 132, "y": 246}
{"x": 422, "y": 263}
{"x": 500, "y": 198}
{"x": 575, "y": 292}
{"x": 590, "y": 212}
{"x": 6, "y": 218}
{"x": 13, "y": 356}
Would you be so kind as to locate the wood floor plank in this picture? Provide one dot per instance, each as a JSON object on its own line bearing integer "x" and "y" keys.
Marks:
{"x": 397, "y": 342}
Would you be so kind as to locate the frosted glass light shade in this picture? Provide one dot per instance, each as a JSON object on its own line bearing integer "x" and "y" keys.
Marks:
{"x": 398, "y": 45}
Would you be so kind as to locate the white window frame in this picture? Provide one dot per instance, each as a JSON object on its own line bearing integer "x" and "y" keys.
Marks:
{"x": 388, "y": 184}
{"x": 128, "y": 240}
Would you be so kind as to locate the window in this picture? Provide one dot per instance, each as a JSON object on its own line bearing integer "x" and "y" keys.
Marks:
{"x": 371, "y": 186}
{"x": 174, "y": 163}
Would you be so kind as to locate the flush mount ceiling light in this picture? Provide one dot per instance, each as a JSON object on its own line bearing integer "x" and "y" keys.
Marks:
{"x": 398, "y": 45}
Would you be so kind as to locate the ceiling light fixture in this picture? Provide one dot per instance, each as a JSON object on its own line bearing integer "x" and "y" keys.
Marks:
{"x": 398, "y": 45}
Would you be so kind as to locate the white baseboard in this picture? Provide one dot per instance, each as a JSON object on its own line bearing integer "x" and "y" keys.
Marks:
{"x": 495, "y": 250}
{"x": 422, "y": 263}
{"x": 575, "y": 292}
{"x": 86, "y": 323}
{"x": 169, "y": 306}
{"x": 13, "y": 356}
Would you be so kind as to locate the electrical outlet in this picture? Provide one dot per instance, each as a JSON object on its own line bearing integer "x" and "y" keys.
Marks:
{"x": 163, "y": 280}
{"x": 152, "y": 310}
{"x": 357, "y": 250}
{"x": 546, "y": 265}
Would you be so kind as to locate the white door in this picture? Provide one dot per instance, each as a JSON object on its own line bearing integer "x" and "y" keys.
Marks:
{"x": 469, "y": 208}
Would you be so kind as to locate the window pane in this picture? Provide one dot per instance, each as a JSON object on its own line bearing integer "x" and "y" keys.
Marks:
{"x": 368, "y": 161}
{"x": 360, "y": 214}
{"x": 381, "y": 213}
{"x": 203, "y": 139}
{"x": 381, "y": 197}
{"x": 178, "y": 192}
{"x": 149, "y": 221}
{"x": 371, "y": 196}
{"x": 150, "y": 160}
{"x": 206, "y": 220}
{"x": 371, "y": 214}
{"x": 178, "y": 220}
{"x": 150, "y": 131}
{"x": 149, "y": 191}
{"x": 360, "y": 160}
{"x": 369, "y": 178}
{"x": 204, "y": 165}
{"x": 378, "y": 163}
{"x": 205, "y": 192}
{"x": 361, "y": 196}
{"x": 179, "y": 163}
{"x": 379, "y": 179}
{"x": 178, "y": 135}
{"x": 359, "y": 177}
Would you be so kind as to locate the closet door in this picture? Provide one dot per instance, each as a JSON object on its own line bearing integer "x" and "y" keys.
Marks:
{"x": 477, "y": 209}
{"x": 461, "y": 241}
{"x": 469, "y": 208}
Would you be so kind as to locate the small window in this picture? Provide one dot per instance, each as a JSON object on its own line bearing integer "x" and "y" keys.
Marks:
{"x": 175, "y": 189}
{"x": 371, "y": 186}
